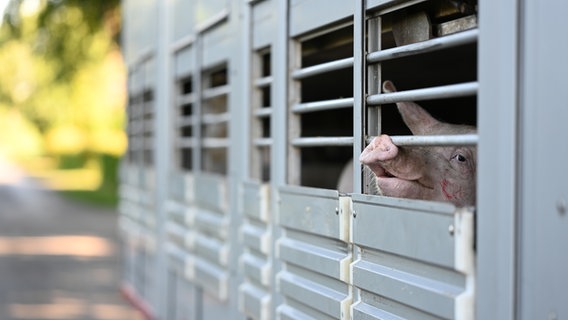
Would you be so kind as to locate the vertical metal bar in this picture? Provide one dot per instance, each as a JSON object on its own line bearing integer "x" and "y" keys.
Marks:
{"x": 162, "y": 151}
{"x": 359, "y": 106}
{"x": 497, "y": 162}
{"x": 238, "y": 160}
{"x": 374, "y": 77}
{"x": 197, "y": 106}
{"x": 294, "y": 123}
{"x": 279, "y": 92}
{"x": 543, "y": 193}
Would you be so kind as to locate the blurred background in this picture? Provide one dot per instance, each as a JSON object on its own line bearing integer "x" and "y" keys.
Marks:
{"x": 62, "y": 93}
{"x": 62, "y": 110}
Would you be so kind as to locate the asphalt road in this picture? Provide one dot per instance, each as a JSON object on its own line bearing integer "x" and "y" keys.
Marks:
{"x": 59, "y": 259}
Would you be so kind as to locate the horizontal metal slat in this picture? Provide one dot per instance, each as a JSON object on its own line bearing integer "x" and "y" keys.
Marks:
{"x": 453, "y": 40}
{"x": 312, "y": 211}
{"x": 317, "y": 296}
{"x": 323, "y": 105}
{"x": 256, "y": 199}
{"x": 215, "y": 92}
{"x": 212, "y": 223}
{"x": 263, "y": 112}
{"x": 256, "y": 238}
{"x": 416, "y": 229}
{"x": 254, "y": 302}
{"x": 440, "y": 92}
{"x": 177, "y": 257}
{"x": 212, "y": 249}
{"x": 215, "y": 143}
{"x": 176, "y": 233}
{"x": 322, "y": 68}
{"x": 211, "y": 193}
{"x": 256, "y": 268}
{"x": 185, "y": 143}
{"x": 322, "y": 260}
{"x": 363, "y": 311}
{"x": 263, "y": 142}
{"x": 185, "y": 121}
{"x": 182, "y": 43}
{"x": 215, "y": 118}
{"x": 440, "y": 140}
{"x": 185, "y": 99}
{"x": 263, "y": 82}
{"x": 322, "y": 141}
{"x": 210, "y": 277}
{"x": 419, "y": 292}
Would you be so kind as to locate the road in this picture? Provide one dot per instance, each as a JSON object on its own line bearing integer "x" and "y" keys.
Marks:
{"x": 59, "y": 259}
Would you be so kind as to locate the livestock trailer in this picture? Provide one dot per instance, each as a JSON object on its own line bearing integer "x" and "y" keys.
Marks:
{"x": 243, "y": 117}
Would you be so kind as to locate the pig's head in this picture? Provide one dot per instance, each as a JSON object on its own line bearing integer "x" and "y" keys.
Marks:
{"x": 428, "y": 173}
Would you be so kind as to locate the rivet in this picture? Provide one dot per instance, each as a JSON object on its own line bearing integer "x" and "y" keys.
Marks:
{"x": 336, "y": 210}
{"x": 561, "y": 206}
{"x": 451, "y": 229}
{"x": 354, "y": 214}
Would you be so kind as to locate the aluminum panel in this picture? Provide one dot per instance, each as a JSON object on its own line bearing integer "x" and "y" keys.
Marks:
{"x": 208, "y": 10}
{"x": 417, "y": 229}
{"x": 314, "y": 211}
{"x": 212, "y": 224}
{"x": 184, "y": 62}
{"x": 254, "y": 302}
{"x": 416, "y": 259}
{"x": 184, "y": 21}
{"x": 212, "y": 278}
{"x": 334, "y": 303}
{"x": 303, "y": 13}
{"x": 212, "y": 249}
{"x": 422, "y": 293}
{"x": 211, "y": 192}
{"x": 256, "y": 238}
{"x": 333, "y": 263}
{"x": 256, "y": 268}
{"x": 256, "y": 200}
{"x": 263, "y": 23}
{"x": 181, "y": 191}
{"x": 217, "y": 46}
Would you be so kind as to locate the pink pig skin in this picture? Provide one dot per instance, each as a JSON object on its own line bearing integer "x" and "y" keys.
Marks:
{"x": 428, "y": 173}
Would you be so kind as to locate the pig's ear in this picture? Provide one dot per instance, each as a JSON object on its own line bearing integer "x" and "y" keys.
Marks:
{"x": 418, "y": 120}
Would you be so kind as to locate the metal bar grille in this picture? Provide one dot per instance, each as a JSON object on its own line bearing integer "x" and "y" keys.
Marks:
{"x": 322, "y": 105}
{"x": 322, "y": 141}
{"x": 322, "y": 68}
{"x": 441, "y": 92}
{"x": 262, "y": 114}
{"x": 445, "y": 140}
{"x": 435, "y": 44}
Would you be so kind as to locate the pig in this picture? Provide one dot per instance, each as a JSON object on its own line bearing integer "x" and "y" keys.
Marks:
{"x": 428, "y": 173}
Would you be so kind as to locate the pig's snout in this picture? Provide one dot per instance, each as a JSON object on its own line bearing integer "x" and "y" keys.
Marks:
{"x": 380, "y": 149}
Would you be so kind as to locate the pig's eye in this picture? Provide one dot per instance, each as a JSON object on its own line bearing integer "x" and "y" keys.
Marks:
{"x": 460, "y": 157}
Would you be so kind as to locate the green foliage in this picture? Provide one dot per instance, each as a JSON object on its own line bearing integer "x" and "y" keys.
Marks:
{"x": 63, "y": 77}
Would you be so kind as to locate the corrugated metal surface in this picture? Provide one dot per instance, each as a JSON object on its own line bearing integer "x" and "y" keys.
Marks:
{"x": 416, "y": 259}
{"x": 316, "y": 256}
{"x": 255, "y": 262}
{"x": 265, "y": 235}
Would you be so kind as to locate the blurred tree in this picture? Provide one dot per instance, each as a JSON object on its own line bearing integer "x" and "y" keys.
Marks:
{"x": 62, "y": 71}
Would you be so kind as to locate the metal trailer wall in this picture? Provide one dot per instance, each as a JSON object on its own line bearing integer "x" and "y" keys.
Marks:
{"x": 242, "y": 115}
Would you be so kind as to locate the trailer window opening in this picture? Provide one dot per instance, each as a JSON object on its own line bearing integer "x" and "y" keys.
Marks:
{"x": 214, "y": 120}
{"x": 425, "y": 49}
{"x": 261, "y": 113}
{"x": 148, "y": 116}
{"x": 184, "y": 111}
{"x": 321, "y": 118}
